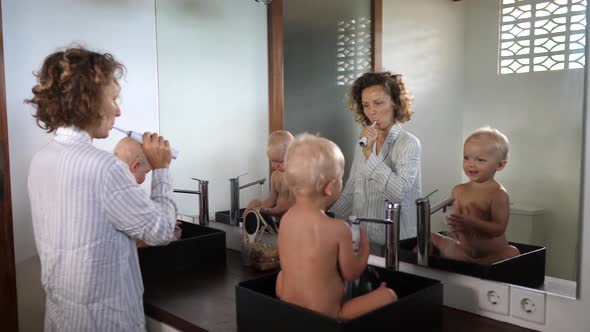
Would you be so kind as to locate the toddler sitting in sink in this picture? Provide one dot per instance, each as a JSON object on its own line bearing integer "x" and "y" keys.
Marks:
{"x": 131, "y": 153}
{"x": 481, "y": 209}
{"x": 279, "y": 198}
{"x": 316, "y": 251}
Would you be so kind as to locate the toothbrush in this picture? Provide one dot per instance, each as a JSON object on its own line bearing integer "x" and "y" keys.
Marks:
{"x": 363, "y": 140}
{"x": 139, "y": 137}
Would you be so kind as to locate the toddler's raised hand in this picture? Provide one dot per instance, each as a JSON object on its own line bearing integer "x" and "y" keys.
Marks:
{"x": 364, "y": 244}
{"x": 460, "y": 221}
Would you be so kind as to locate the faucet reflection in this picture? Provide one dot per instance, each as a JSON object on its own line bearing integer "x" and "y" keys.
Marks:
{"x": 423, "y": 224}
{"x": 234, "y": 189}
{"x": 203, "y": 193}
{"x": 391, "y": 222}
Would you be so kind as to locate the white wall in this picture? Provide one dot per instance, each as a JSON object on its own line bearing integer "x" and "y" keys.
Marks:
{"x": 541, "y": 114}
{"x": 213, "y": 82}
{"x": 314, "y": 103}
{"x": 34, "y": 29}
{"x": 423, "y": 40}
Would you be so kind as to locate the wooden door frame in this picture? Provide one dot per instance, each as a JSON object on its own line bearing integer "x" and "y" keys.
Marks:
{"x": 8, "y": 300}
{"x": 276, "y": 74}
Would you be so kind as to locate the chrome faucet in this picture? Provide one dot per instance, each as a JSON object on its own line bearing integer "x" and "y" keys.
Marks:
{"x": 203, "y": 200}
{"x": 391, "y": 222}
{"x": 234, "y": 189}
{"x": 423, "y": 224}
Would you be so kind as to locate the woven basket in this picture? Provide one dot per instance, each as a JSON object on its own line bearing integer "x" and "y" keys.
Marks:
{"x": 265, "y": 257}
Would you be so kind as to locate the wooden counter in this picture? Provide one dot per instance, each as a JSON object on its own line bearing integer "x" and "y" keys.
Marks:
{"x": 205, "y": 301}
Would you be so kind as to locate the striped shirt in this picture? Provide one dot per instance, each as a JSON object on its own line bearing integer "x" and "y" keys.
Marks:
{"x": 87, "y": 213}
{"x": 392, "y": 175}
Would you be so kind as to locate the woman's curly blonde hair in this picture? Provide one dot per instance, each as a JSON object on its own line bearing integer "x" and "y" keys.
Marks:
{"x": 70, "y": 88}
{"x": 394, "y": 86}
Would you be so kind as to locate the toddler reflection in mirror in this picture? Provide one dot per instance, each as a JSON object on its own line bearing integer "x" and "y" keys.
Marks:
{"x": 131, "y": 153}
{"x": 316, "y": 251}
{"x": 480, "y": 213}
{"x": 279, "y": 198}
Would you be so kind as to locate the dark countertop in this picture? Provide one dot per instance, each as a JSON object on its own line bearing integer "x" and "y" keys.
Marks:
{"x": 205, "y": 301}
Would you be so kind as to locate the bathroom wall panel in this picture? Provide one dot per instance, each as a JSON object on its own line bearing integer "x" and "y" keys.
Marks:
{"x": 424, "y": 41}
{"x": 327, "y": 45}
{"x": 213, "y": 95}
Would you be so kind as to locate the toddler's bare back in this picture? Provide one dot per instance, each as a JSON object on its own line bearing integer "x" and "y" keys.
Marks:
{"x": 308, "y": 248}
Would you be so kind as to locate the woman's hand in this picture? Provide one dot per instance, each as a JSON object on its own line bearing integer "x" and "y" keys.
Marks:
{"x": 157, "y": 150}
{"x": 371, "y": 133}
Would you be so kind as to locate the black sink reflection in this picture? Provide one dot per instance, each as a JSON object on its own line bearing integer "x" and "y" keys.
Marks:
{"x": 526, "y": 269}
{"x": 223, "y": 216}
{"x": 200, "y": 248}
{"x": 419, "y": 308}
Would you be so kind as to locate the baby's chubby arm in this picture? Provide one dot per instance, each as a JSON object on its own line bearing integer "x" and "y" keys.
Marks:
{"x": 273, "y": 193}
{"x": 268, "y": 202}
{"x": 351, "y": 264}
{"x": 455, "y": 209}
{"x": 500, "y": 212}
{"x": 282, "y": 207}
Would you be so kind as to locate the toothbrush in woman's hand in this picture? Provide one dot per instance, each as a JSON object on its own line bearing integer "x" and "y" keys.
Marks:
{"x": 363, "y": 140}
{"x": 139, "y": 137}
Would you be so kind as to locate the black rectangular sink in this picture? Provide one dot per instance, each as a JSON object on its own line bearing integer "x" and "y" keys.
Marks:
{"x": 223, "y": 216}
{"x": 200, "y": 248}
{"x": 526, "y": 269}
{"x": 419, "y": 308}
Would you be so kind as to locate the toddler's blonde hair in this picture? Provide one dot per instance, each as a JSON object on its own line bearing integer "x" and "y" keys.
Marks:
{"x": 280, "y": 139}
{"x": 493, "y": 136}
{"x": 311, "y": 162}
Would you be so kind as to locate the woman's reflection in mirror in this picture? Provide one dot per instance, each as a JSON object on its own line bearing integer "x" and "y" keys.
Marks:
{"x": 481, "y": 209}
{"x": 388, "y": 166}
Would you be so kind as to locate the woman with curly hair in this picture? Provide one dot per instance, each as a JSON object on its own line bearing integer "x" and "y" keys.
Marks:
{"x": 87, "y": 208}
{"x": 388, "y": 166}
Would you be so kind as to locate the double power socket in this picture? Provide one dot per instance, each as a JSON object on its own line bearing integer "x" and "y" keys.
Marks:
{"x": 515, "y": 301}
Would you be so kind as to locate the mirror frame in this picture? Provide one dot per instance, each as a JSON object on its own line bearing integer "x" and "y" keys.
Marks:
{"x": 581, "y": 215}
{"x": 8, "y": 301}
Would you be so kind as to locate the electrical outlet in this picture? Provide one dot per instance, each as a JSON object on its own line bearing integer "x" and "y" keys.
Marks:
{"x": 528, "y": 305}
{"x": 493, "y": 297}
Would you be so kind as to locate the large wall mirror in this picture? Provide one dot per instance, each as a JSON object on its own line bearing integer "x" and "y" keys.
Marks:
{"x": 516, "y": 65}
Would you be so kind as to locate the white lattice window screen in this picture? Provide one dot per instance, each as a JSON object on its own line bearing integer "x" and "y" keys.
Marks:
{"x": 353, "y": 49}
{"x": 542, "y": 35}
